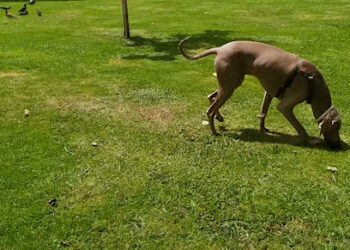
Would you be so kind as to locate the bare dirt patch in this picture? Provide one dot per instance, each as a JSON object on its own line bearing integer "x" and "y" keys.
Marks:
{"x": 157, "y": 114}
{"x": 74, "y": 103}
{"x": 122, "y": 63}
{"x": 294, "y": 225}
{"x": 85, "y": 194}
{"x": 160, "y": 115}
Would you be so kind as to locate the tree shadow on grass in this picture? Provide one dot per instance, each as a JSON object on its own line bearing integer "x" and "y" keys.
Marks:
{"x": 253, "y": 135}
{"x": 166, "y": 49}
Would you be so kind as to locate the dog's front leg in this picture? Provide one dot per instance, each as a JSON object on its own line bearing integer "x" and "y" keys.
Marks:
{"x": 295, "y": 94}
{"x": 288, "y": 113}
{"x": 263, "y": 112}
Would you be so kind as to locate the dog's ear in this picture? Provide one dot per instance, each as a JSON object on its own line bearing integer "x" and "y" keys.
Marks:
{"x": 325, "y": 124}
{"x": 329, "y": 123}
{"x": 336, "y": 117}
{"x": 336, "y": 122}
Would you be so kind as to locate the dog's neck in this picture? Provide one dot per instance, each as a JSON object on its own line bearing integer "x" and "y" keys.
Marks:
{"x": 321, "y": 101}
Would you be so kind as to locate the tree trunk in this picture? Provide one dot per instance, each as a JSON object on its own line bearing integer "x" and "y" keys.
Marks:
{"x": 126, "y": 19}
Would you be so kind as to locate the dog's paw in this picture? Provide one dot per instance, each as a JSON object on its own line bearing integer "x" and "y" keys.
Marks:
{"x": 264, "y": 130}
{"x": 215, "y": 134}
{"x": 219, "y": 118}
{"x": 313, "y": 141}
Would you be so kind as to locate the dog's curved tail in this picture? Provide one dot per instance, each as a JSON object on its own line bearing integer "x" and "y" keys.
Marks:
{"x": 212, "y": 51}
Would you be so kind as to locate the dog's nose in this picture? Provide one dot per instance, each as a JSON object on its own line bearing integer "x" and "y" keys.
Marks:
{"x": 333, "y": 139}
{"x": 336, "y": 146}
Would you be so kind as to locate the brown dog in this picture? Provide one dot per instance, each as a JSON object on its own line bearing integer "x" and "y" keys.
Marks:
{"x": 283, "y": 75}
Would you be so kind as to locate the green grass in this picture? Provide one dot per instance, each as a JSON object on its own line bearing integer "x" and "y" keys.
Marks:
{"x": 158, "y": 179}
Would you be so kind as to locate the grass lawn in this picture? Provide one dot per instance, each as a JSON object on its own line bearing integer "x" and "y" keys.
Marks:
{"x": 157, "y": 178}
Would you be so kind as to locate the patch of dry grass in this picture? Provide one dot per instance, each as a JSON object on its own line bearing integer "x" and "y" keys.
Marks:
{"x": 12, "y": 74}
{"x": 160, "y": 114}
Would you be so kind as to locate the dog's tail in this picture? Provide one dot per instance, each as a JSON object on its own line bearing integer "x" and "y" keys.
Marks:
{"x": 212, "y": 51}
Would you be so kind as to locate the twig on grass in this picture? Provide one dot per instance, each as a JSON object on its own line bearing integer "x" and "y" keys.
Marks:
{"x": 69, "y": 152}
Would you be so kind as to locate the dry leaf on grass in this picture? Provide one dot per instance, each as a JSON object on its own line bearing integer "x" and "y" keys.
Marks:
{"x": 26, "y": 112}
{"x": 332, "y": 169}
{"x": 53, "y": 203}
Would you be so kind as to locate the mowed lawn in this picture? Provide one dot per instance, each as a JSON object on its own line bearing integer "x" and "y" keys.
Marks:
{"x": 156, "y": 178}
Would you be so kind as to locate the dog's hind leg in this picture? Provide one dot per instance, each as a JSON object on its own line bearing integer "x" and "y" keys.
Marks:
{"x": 220, "y": 99}
{"x": 227, "y": 85}
{"x": 263, "y": 112}
{"x": 211, "y": 99}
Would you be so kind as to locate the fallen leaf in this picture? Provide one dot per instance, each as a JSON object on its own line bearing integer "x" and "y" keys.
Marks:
{"x": 332, "y": 169}
{"x": 65, "y": 243}
{"x": 53, "y": 203}
{"x": 26, "y": 112}
{"x": 69, "y": 152}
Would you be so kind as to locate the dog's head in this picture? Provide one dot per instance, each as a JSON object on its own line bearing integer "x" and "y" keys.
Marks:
{"x": 329, "y": 126}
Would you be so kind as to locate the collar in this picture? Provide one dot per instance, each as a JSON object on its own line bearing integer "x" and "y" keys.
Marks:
{"x": 288, "y": 82}
{"x": 297, "y": 71}
{"x": 325, "y": 113}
